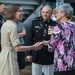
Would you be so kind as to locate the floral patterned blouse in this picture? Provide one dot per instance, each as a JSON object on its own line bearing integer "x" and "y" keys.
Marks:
{"x": 62, "y": 42}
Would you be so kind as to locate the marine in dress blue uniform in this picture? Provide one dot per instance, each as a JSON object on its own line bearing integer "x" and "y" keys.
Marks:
{"x": 41, "y": 30}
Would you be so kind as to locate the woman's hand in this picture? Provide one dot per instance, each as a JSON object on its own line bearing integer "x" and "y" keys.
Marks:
{"x": 37, "y": 46}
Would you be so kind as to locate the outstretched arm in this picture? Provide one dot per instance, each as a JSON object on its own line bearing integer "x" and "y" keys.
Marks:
{"x": 35, "y": 47}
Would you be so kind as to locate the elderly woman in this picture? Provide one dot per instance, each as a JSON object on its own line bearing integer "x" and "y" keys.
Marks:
{"x": 10, "y": 42}
{"x": 62, "y": 42}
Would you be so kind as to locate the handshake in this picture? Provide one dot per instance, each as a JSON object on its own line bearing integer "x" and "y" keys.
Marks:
{"x": 38, "y": 45}
{"x": 35, "y": 47}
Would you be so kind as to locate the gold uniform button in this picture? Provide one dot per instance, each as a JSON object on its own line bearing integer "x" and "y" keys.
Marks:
{"x": 37, "y": 31}
{"x": 44, "y": 35}
{"x": 45, "y": 24}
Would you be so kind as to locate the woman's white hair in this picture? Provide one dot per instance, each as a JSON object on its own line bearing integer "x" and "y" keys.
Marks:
{"x": 67, "y": 9}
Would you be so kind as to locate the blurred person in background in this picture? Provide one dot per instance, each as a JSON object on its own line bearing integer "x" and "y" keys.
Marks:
{"x": 53, "y": 14}
{"x": 73, "y": 19}
{"x": 2, "y": 10}
{"x": 21, "y": 55}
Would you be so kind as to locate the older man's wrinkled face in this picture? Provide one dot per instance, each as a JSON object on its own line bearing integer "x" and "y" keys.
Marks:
{"x": 46, "y": 13}
{"x": 2, "y": 8}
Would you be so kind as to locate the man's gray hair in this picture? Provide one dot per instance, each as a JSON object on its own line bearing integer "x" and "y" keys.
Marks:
{"x": 47, "y": 6}
{"x": 67, "y": 9}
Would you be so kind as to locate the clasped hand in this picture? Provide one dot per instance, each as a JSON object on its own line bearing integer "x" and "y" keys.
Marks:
{"x": 37, "y": 46}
